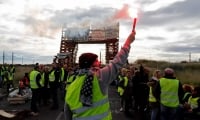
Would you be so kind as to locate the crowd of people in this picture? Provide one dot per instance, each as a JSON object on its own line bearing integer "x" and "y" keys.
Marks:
{"x": 160, "y": 97}
{"x": 7, "y": 74}
{"x": 84, "y": 89}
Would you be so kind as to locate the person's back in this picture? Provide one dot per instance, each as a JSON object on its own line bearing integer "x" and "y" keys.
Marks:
{"x": 170, "y": 93}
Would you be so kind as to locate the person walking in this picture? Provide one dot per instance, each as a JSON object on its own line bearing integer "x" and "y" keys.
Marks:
{"x": 169, "y": 92}
{"x": 87, "y": 95}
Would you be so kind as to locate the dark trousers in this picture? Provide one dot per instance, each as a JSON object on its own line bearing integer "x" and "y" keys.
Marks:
{"x": 34, "y": 100}
{"x": 46, "y": 95}
{"x": 54, "y": 94}
{"x": 9, "y": 83}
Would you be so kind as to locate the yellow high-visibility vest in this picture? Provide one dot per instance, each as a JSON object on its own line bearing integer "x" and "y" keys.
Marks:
{"x": 100, "y": 109}
{"x": 169, "y": 92}
{"x": 33, "y": 76}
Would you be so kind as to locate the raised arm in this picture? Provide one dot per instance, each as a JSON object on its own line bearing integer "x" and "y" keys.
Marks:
{"x": 109, "y": 72}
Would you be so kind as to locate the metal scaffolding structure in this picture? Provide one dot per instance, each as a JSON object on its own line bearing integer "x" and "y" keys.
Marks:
{"x": 108, "y": 35}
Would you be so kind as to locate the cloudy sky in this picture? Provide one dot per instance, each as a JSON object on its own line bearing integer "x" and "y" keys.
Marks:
{"x": 166, "y": 29}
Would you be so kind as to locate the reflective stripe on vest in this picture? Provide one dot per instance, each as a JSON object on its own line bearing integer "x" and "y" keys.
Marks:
{"x": 100, "y": 109}
{"x": 42, "y": 80}
{"x": 96, "y": 117}
{"x": 120, "y": 89}
{"x": 70, "y": 79}
{"x": 6, "y": 75}
{"x": 33, "y": 76}
{"x": 62, "y": 74}
{"x": 169, "y": 92}
{"x": 151, "y": 96}
{"x": 185, "y": 95}
{"x": 193, "y": 102}
{"x": 52, "y": 76}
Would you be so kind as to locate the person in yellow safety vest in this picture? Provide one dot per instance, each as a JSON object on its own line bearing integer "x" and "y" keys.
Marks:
{"x": 169, "y": 92}
{"x": 45, "y": 84}
{"x": 87, "y": 95}
{"x": 42, "y": 81}
{"x": 54, "y": 77}
{"x": 3, "y": 70}
{"x": 153, "y": 103}
{"x": 1, "y": 74}
{"x": 35, "y": 85}
{"x": 12, "y": 70}
{"x": 123, "y": 82}
{"x": 63, "y": 79}
{"x": 70, "y": 78}
{"x": 193, "y": 104}
{"x": 128, "y": 94}
{"x": 8, "y": 79}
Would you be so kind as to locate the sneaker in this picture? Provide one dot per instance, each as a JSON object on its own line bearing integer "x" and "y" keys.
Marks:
{"x": 34, "y": 113}
{"x": 121, "y": 109}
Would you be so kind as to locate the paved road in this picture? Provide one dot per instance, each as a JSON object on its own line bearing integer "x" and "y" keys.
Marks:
{"x": 47, "y": 114}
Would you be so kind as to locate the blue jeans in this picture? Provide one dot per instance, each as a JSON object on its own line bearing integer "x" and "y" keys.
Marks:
{"x": 167, "y": 113}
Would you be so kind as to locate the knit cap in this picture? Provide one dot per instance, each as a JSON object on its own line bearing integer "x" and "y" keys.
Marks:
{"x": 86, "y": 60}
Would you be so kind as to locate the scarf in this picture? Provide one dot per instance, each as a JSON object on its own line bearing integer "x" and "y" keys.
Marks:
{"x": 86, "y": 91}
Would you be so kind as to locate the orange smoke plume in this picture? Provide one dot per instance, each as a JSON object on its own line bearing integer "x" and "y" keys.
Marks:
{"x": 122, "y": 13}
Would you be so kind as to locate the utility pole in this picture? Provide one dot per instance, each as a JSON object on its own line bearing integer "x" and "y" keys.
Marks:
{"x": 12, "y": 57}
{"x": 22, "y": 60}
{"x": 189, "y": 56}
{"x": 3, "y": 57}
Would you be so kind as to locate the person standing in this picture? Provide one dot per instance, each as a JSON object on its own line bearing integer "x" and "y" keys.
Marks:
{"x": 35, "y": 78}
{"x": 153, "y": 103}
{"x": 169, "y": 92}
{"x": 192, "y": 106}
{"x": 87, "y": 95}
{"x": 123, "y": 82}
{"x": 128, "y": 94}
{"x": 140, "y": 87}
{"x": 12, "y": 70}
{"x": 54, "y": 77}
{"x": 46, "y": 87}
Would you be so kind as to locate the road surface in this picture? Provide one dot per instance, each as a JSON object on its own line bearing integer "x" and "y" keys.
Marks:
{"x": 47, "y": 114}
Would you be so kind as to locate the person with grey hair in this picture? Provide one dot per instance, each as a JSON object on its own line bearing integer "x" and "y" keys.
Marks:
{"x": 169, "y": 92}
{"x": 87, "y": 95}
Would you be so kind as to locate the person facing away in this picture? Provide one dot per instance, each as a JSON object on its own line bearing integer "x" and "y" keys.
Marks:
{"x": 169, "y": 92}
{"x": 87, "y": 95}
{"x": 140, "y": 84}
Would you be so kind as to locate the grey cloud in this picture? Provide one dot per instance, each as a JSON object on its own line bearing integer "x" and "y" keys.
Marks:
{"x": 3, "y": 1}
{"x": 25, "y": 57}
{"x": 80, "y": 15}
{"x": 146, "y": 2}
{"x": 186, "y": 45}
{"x": 179, "y": 11}
{"x": 156, "y": 38}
